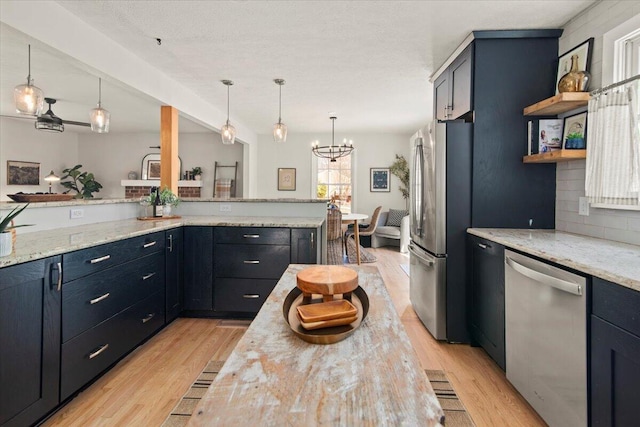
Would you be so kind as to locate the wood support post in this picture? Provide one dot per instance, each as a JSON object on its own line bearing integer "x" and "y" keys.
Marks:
{"x": 169, "y": 165}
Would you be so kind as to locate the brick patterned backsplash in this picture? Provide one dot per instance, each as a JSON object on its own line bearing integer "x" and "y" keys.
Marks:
{"x": 135, "y": 192}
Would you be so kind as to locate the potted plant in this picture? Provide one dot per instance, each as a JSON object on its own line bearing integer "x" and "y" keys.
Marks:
{"x": 167, "y": 198}
{"x": 400, "y": 168}
{"x": 5, "y": 230}
{"x": 86, "y": 179}
{"x": 574, "y": 140}
{"x": 196, "y": 172}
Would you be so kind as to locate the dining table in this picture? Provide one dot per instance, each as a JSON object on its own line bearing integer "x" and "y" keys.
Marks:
{"x": 353, "y": 217}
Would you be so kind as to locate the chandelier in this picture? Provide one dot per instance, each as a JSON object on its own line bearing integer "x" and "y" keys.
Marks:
{"x": 332, "y": 151}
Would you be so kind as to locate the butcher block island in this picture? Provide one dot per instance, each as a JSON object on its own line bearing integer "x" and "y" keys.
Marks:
{"x": 373, "y": 377}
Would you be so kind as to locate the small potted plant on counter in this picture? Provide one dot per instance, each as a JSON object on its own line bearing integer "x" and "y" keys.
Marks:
{"x": 196, "y": 173}
{"x": 6, "y": 244}
{"x": 169, "y": 200}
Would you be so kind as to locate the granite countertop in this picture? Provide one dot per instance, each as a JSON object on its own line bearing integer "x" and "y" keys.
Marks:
{"x": 82, "y": 202}
{"x": 606, "y": 259}
{"x": 272, "y": 377}
{"x": 42, "y": 244}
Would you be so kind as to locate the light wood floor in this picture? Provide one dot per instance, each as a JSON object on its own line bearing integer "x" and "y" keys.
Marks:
{"x": 142, "y": 389}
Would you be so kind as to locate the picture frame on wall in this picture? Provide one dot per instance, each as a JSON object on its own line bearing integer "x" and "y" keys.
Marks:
{"x": 23, "y": 173}
{"x": 584, "y": 51}
{"x": 574, "y": 136}
{"x": 380, "y": 180}
{"x": 286, "y": 179}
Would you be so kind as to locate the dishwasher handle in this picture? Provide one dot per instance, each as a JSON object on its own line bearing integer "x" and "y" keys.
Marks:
{"x": 554, "y": 282}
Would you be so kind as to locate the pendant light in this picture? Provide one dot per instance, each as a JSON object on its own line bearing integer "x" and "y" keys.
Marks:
{"x": 332, "y": 151}
{"x": 100, "y": 117}
{"x": 280, "y": 129}
{"x": 228, "y": 132}
{"x": 28, "y": 98}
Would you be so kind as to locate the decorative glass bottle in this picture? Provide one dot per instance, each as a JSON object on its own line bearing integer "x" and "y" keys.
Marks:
{"x": 575, "y": 80}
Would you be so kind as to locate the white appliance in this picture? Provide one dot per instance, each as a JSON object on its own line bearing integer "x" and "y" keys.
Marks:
{"x": 546, "y": 338}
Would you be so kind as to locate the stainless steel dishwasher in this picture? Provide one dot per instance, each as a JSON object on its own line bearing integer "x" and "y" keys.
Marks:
{"x": 546, "y": 338}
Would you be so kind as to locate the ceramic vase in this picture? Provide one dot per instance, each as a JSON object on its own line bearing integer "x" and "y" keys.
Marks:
{"x": 6, "y": 245}
{"x": 167, "y": 210}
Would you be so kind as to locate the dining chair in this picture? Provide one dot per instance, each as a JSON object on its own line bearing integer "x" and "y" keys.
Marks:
{"x": 368, "y": 231}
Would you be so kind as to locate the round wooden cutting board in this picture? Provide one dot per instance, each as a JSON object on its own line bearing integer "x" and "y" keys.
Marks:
{"x": 327, "y": 280}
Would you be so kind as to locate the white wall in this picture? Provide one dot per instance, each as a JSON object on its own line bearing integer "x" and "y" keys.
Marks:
{"x": 111, "y": 156}
{"x": 19, "y": 140}
{"x": 619, "y": 225}
{"x": 372, "y": 150}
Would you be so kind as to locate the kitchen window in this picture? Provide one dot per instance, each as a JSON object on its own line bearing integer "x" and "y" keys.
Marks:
{"x": 334, "y": 181}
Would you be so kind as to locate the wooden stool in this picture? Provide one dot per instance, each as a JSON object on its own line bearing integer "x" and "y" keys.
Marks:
{"x": 327, "y": 280}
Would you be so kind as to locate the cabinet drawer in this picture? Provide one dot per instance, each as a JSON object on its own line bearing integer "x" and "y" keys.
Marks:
{"x": 92, "y": 299}
{"x": 251, "y": 261}
{"x": 616, "y": 304}
{"x": 91, "y": 352}
{"x": 242, "y": 295}
{"x": 252, "y": 235}
{"x": 86, "y": 261}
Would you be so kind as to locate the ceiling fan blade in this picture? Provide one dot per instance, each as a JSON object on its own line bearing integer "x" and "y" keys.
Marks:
{"x": 18, "y": 117}
{"x": 71, "y": 122}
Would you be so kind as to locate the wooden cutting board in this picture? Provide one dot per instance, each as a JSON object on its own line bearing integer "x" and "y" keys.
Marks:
{"x": 327, "y": 280}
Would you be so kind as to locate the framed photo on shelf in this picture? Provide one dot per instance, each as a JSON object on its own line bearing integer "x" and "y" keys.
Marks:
{"x": 286, "y": 179}
{"x": 584, "y": 51}
{"x": 150, "y": 168}
{"x": 574, "y": 136}
{"x": 23, "y": 173}
{"x": 380, "y": 180}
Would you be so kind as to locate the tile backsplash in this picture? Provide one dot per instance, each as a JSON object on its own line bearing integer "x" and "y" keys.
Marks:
{"x": 612, "y": 224}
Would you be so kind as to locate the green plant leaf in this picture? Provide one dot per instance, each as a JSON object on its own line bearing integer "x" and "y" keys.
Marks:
{"x": 4, "y": 224}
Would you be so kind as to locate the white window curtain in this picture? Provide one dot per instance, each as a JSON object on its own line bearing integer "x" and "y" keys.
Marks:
{"x": 613, "y": 149}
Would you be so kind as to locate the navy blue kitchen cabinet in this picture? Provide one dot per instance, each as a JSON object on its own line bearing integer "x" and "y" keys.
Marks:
{"x": 174, "y": 275}
{"x": 615, "y": 355}
{"x": 30, "y": 335}
{"x": 198, "y": 269}
{"x": 304, "y": 246}
{"x": 452, "y": 90}
{"x": 487, "y": 297}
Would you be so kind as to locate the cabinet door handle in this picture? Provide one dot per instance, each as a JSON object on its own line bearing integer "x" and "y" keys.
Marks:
{"x": 251, "y": 236}
{"x": 149, "y": 317}
{"x": 98, "y": 351}
{"x": 311, "y": 237}
{"x": 100, "y": 259}
{"x": 148, "y": 276}
{"x": 251, "y": 261}
{"x": 251, "y": 296}
{"x": 483, "y": 246}
{"x": 170, "y": 242}
{"x": 59, "y": 264}
{"x": 148, "y": 245}
{"x": 97, "y": 300}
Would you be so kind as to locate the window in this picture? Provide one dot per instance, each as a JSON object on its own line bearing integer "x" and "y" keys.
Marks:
{"x": 334, "y": 181}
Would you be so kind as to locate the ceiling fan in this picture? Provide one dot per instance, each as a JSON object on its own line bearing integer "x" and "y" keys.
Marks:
{"x": 48, "y": 121}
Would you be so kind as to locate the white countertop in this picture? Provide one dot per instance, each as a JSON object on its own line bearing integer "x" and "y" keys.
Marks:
{"x": 8, "y": 205}
{"x": 606, "y": 259}
{"x": 42, "y": 244}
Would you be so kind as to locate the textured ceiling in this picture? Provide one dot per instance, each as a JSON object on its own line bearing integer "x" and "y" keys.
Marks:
{"x": 369, "y": 61}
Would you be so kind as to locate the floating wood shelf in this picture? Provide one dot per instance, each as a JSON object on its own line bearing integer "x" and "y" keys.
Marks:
{"x": 557, "y": 104}
{"x": 556, "y": 156}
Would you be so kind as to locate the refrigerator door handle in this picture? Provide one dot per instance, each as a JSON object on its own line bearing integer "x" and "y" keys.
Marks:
{"x": 421, "y": 255}
{"x": 418, "y": 189}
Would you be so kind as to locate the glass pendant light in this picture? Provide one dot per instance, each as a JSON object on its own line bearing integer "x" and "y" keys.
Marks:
{"x": 28, "y": 98}
{"x": 100, "y": 117}
{"x": 280, "y": 129}
{"x": 228, "y": 132}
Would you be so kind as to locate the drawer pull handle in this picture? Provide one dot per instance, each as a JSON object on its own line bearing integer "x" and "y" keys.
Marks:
{"x": 251, "y": 236}
{"x": 170, "y": 248}
{"x": 97, "y": 300}
{"x": 149, "y": 317}
{"x": 148, "y": 276}
{"x": 102, "y": 258}
{"x": 251, "y": 296}
{"x": 248, "y": 261}
{"x": 98, "y": 351}
{"x": 482, "y": 245}
{"x": 148, "y": 245}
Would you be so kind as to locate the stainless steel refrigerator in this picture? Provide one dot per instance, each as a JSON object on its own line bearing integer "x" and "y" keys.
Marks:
{"x": 440, "y": 212}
